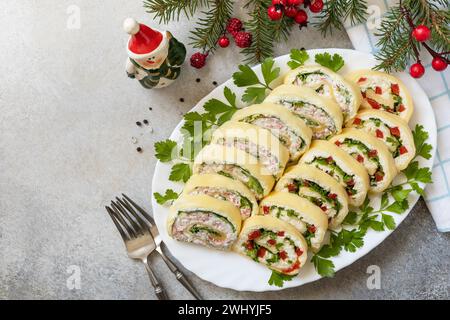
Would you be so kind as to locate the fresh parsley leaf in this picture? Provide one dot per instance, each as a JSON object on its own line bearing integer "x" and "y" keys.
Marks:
{"x": 377, "y": 225}
{"x": 165, "y": 150}
{"x": 225, "y": 117}
{"x": 398, "y": 206}
{"x": 323, "y": 266}
{"x": 351, "y": 239}
{"x": 420, "y": 136}
{"x": 401, "y": 194}
{"x": 180, "y": 172}
{"x": 277, "y": 279}
{"x": 215, "y": 106}
{"x": 254, "y": 95}
{"x": 351, "y": 218}
{"x": 334, "y": 63}
{"x": 417, "y": 188}
{"x": 388, "y": 221}
{"x": 245, "y": 76}
{"x": 230, "y": 96}
{"x": 384, "y": 200}
{"x": 170, "y": 195}
{"x": 329, "y": 250}
{"x": 424, "y": 175}
{"x": 298, "y": 58}
{"x": 411, "y": 171}
{"x": 269, "y": 72}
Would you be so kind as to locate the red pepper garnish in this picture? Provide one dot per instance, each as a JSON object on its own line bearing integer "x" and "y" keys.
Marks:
{"x": 360, "y": 158}
{"x": 378, "y": 90}
{"x": 292, "y": 187}
{"x": 395, "y": 131}
{"x": 403, "y": 150}
{"x": 357, "y": 121}
{"x": 280, "y": 233}
{"x": 379, "y": 133}
{"x": 254, "y": 234}
{"x": 330, "y": 160}
{"x": 249, "y": 245}
{"x": 332, "y": 196}
{"x": 305, "y": 183}
{"x": 324, "y": 208}
{"x": 362, "y": 79}
{"x": 401, "y": 108}
{"x": 295, "y": 266}
{"x": 373, "y": 103}
{"x": 312, "y": 228}
{"x": 350, "y": 182}
{"x": 298, "y": 251}
{"x": 363, "y": 93}
{"x": 337, "y": 142}
{"x": 266, "y": 209}
{"x": 395, "y": 89}
{"x": 272, "y": 242}
{"x": 379, "y": 176}
{"x": 283, "y": 255}
{"x": 261, "y": 252}
{"x": 372, "y": 153}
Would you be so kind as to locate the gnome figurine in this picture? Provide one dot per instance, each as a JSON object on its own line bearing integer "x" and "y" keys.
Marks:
{"x": 154, "y": 57}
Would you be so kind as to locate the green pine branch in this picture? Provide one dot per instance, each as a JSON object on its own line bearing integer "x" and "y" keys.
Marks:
{"x": 166, "y": 10}
{"x": 212, "y": 25}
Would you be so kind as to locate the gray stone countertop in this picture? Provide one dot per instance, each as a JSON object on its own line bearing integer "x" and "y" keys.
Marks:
{"x": 68, "y": 113}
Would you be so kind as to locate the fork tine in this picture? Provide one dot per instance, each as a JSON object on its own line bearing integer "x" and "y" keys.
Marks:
{"x": 130, "y": 209}
{"x": 117, "y": 224}
{"x": 124, "y": 220}
{"x": 138, "y": 208}
{"x": 136, "y": 226}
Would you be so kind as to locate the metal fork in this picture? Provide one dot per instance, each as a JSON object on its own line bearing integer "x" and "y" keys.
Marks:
{"x": 143, "y": 231}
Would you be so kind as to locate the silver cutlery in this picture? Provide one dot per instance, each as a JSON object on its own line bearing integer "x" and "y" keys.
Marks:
{"x": 141, "y": 237}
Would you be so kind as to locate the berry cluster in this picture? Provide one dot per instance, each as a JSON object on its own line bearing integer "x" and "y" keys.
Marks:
{"x": 291, "y": 9}
{"x": 422, "y": 34}
{"x": 235, "y": 29}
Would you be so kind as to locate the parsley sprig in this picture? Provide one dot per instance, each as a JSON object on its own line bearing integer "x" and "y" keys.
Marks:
{"x": 335, "y": 62}
{"x": 277, "y": 279}
{"x": 256, "y": 89}
{"x": 393, "y": 200}
{"x": 298, "y": 58}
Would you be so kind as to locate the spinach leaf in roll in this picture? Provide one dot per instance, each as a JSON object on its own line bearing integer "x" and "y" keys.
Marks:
{"x": 352, "y": 175}
{"x": 256, "y": 141}
{"x": 274, "y": 243}
{"x": 236, "y": 164}
{"x": 223, "y": 188}
{"x": 204, "y": 220}
{"x": 306, "y": 217}
{"x": 328, "y": 84}
{"x": 370, "y": 152}
{"x": 390, "y": 129}
{"x": 382, "y": 91}
{"x": 322, "y": 115}
{"x": 319, "y": 188}
{"x": 292, "y": 132}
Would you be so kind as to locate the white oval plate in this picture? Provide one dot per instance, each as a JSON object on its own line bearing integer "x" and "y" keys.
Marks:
{"x": 230, "y": 270}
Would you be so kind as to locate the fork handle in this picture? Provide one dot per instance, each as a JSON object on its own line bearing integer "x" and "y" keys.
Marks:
{"x": 180, "y": 276}
{"x": 159, "y": 290}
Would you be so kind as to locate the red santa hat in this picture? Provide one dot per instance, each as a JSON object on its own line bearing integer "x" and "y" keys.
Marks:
{"x": 144, "y": 41}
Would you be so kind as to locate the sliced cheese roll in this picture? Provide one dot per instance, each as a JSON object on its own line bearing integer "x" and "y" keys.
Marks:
{"x": 223, "y": 188}
{"x": 392, "y": 130}
{"x": 256, "y": 141}
{"x": 204, "y": 220}
{"x": 319, "y": 188}
{"x": 328, "y": 84}
{"x": 299, "y": 212}
{"x": 370, "y": 152}
{"x": 322, "y": 115}
{"x": 236, "y": 164}
{"x": 351, "y": 174}
{"x": 274, "y": 243}
{"x": 292, "y": 132}
{"x": 383, "y": 92}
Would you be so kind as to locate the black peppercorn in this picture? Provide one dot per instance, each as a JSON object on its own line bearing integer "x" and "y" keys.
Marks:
{"x": 151, "y": 109}
{"x": 198, "y": 79}
{"x": 215, "y": 83}
{"x": 139, "y": 149}
{"x": 138, "y": 124}
{"x": 181, "y": 100}
{"x": 145, "y": 121}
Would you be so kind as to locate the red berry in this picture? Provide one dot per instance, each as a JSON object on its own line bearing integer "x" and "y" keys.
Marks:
{"x": 275, "y": 12}
{"x": 439, "y": 64}
{"x": 280, "y": 2}
{"x": 234, "y": 26}
{"x": 198, "y": 60}
{"x": 243, "y": 39}
{"x": 301, "y": 17}
{"x": 316, "y": 6}
{"x": 293, "y": 3}
{"x": 421, "y": 33}
{"x": 417, "y": 70}
{"x": 290, "y": 12}
{"x": 224, "y": 42}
